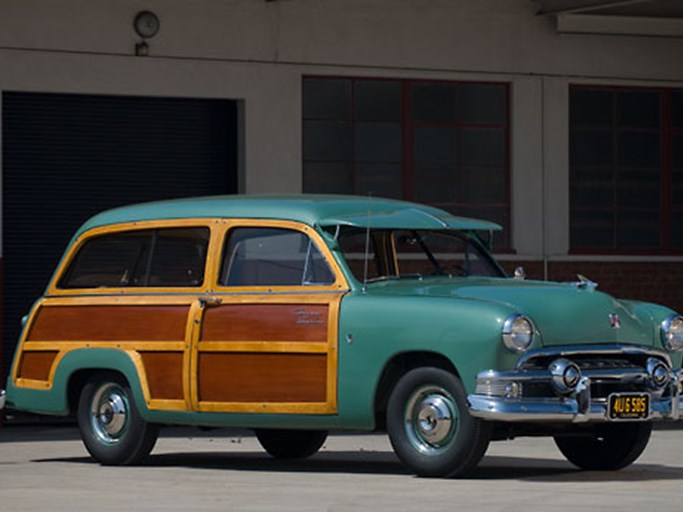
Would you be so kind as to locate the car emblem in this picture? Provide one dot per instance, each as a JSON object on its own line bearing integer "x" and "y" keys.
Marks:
{"x": 615, "y": 321}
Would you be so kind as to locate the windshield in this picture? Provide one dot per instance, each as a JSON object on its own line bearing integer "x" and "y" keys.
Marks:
{"x": 395, "y": 254}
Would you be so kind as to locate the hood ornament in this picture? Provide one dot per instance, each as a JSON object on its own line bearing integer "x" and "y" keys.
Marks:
{"x": 584, "y": 283}
{"x": 615, "y": 321}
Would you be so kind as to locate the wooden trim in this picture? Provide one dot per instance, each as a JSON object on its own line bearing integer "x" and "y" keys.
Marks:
{"x": 190, "y": 372}
{"x": 164, "y": 372}
{"x": 340, "y": 282}
{"x": 264, "y": 346}
{"x": 37, "y": 365}
{"x": 142, "y": 345}
{"x": 326, "y": 348}
{"x": 258, "y": 378}
{"x": 264, "y": 408}
{"x": 117, "y": 228}
{"x": 108, "y": 323}
{"x": 288, "y": 322}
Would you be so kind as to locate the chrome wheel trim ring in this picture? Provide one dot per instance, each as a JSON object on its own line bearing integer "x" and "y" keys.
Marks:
{"x": 431, "y": 420}
{"x": 109, "y": 413}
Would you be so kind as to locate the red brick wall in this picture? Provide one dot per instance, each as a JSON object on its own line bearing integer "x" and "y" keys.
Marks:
{"x": 659, "y": 282}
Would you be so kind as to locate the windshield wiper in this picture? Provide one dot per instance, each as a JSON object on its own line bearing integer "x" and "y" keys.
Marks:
{"x": 412, "y": 275}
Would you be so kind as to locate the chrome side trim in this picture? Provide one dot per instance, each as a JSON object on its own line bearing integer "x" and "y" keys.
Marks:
{"x": 3, "y": 397}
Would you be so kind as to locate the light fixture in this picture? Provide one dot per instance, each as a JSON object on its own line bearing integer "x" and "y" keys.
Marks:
{"x": 146, "y": 25}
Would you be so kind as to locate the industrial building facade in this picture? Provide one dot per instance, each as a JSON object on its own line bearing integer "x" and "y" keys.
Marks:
{"x": 562, "y": 120}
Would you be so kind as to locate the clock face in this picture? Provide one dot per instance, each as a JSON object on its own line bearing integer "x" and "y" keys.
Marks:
{"x": 146, "y": 24}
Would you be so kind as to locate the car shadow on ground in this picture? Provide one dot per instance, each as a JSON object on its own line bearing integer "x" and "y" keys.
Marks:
{"x": 386, "y": 463}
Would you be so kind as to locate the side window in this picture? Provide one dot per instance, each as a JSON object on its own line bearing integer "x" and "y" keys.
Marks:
{"x": 151, "y": 257}
{"x": 272, "y": 257}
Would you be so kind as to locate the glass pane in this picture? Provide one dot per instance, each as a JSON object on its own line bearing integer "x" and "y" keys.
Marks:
{"x": 378, "y": 100}
{"x": 638, "y": 188}
{"x": 106, "y": 261}
{"x": 432, "y": 102}
{"x": 272, "y": 257}
{"x": 380, "y": 180}
{"x": 352, "y": 243}
{"x": 591, "y": 148}
{"x": 639, "y": 149}
{"x": 481, "y": 104}
{"x": 638, "y": 229}
{"x": 434, "y": 145}
{"x": 178, "y": 257}
{"x": 677, "y": 230}
{"x": 677, "y": 150}
{"x": 592, "y": 187}
{"x": 481, "y": 146}
{"x": 328, "y": 178}
{"x": 378, "y": 142}
{"x": 434, "y": 183}
{"x": 499, "y": 215}
{"x": 481, "y": 184}
{"x": 327, "y": 99}
{"x": 591, "y": 229}
{"x": 591, "y": 107}
{"x": 327, "y": 140}
{"x": 639, "y": 108}
{"x": 677, "y": 109}
{"x": 677, "y": 184}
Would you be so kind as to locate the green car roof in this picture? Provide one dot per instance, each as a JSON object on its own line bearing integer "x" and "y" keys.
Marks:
{"x": 314, "y": 210}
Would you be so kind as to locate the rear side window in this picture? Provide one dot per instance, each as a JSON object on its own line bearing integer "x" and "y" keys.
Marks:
{"x": 272, "y": 257}
{"x": 151, "y": 257}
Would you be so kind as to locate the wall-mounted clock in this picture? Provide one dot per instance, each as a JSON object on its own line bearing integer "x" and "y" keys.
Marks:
{"x": 146, "y": 24}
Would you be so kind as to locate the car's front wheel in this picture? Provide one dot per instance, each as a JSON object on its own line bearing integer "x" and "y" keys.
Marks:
{"x": 608, "y": 447}
{"x": 291, "y": 444}
{"x": 111, "y": 427}
{"x": 430, "y": 427}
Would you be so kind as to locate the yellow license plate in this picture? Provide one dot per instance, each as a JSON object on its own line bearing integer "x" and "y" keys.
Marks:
{"x": 629, "y": 406}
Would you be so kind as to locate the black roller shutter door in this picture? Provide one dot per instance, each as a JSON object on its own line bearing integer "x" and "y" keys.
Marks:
{"x": 66, "y": 157}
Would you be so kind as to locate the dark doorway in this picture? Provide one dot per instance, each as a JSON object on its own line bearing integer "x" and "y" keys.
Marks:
{"x": 66, "y": 157}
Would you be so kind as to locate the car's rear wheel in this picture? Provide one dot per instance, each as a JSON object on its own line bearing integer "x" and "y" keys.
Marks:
{"x": 609, "y": 446}
{"x": 111, "y": 427}
{"x": 430, "y": 427}
{"x": 291, "y": 444}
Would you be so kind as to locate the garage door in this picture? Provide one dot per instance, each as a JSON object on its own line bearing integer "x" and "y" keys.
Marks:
{"x": 66, "y": 157}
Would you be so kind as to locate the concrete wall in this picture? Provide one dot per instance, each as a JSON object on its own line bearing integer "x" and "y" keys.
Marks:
{"x": 257, "y": 52}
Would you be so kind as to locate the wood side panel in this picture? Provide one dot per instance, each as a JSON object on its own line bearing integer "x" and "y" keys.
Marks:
{"x": 262, "y": 377}
{"x": 266, "y": 322}
{"x": 164, "y": 372}
{"x": 109, "y": 323}
{"x": 36, "y": 365}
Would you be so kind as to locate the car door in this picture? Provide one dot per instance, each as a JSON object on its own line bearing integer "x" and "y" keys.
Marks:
{"x": 268, "y": 337}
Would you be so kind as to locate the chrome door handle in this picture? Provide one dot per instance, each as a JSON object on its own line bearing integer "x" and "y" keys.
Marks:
{"x": 205, "y": 302}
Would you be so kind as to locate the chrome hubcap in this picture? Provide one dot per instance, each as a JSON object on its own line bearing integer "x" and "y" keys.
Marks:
{"x": 431, "y": 419}
{"x": 109, "y": 413}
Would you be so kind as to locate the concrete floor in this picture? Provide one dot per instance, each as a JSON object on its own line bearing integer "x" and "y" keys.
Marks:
{"x": 46, "y": 468}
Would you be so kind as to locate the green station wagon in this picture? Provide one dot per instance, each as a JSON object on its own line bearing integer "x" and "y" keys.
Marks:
{"x": 294, "y": 316}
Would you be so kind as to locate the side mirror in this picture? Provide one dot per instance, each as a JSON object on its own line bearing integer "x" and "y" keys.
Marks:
{"x": 520, "y": 274}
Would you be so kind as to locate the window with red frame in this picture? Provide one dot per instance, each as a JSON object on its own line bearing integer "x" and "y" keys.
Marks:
{"x": 626, "y": 169}
{"x": 440, "y": 143}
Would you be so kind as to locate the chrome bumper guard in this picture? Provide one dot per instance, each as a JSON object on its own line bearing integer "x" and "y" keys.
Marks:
{"x": 500, "y": 395}
{"x": 2, "y": 399}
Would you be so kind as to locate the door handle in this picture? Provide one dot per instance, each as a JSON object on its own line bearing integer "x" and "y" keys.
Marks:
{"x": 205, "y": 302}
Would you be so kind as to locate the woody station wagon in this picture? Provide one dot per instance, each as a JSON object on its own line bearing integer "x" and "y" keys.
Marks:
{"x": 294, "y": 316}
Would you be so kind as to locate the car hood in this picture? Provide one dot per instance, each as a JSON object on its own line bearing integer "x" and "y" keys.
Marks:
{"x": 564, "y": 313}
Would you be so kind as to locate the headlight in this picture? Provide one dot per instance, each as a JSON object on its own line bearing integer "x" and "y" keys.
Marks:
{"x": 518, "y": 333}
{"x": 672, "y": 332}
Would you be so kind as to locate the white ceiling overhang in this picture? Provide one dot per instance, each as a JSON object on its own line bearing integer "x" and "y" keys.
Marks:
{"x": 652, "y": 18}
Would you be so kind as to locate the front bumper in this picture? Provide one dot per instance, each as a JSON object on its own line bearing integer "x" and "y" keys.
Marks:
{"x": 500, "y": 396}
